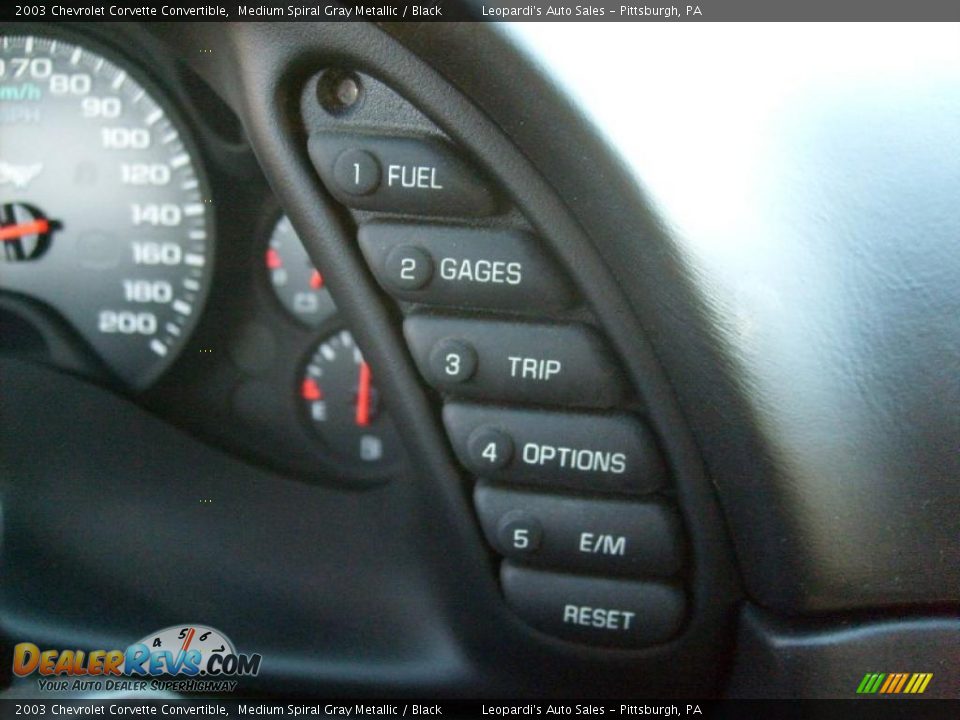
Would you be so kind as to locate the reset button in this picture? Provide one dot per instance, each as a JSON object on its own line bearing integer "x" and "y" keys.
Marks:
{"x": 597, "y": 611}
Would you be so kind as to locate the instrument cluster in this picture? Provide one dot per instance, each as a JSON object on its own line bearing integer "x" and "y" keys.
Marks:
{"x": 142, "y": 248}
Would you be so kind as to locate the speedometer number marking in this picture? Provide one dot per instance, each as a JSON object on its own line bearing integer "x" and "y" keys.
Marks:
{"x": 103, "y": 216}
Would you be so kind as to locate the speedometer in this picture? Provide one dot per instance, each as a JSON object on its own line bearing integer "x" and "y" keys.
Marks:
{"x": 104, "y": 211}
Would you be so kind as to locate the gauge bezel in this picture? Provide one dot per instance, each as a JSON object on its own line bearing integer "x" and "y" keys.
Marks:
{"x": 187, "y": 132}
{"x": 329, "y": 467}
{"x": 274, "y": 217}
{"x": 373, "y": 471}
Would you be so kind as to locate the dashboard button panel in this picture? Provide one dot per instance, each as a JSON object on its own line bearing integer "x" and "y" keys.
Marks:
{"x": 497, "y": 269}
{"x": 546, "y": 363}
{"x": 582, "y": 451}
{"x": 415, "y": 175}
{"x": 535, "y": 401}
{"x": 597, "y": 611}
{"x": 589, "y": 534}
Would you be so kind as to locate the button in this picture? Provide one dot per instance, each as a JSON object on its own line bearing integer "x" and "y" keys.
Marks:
{"x": 519, "y": 531}
{"x": 594, "y": 535}
{"x": 597, "y": 611}
{"x": 475, "y": 268}
{"x": 422, "y": 176}
{"x": 607, "y": 453}
{"x": 357, "y": 172}
{"x": 453, "y": 360}
{"x": 552, "y": 364}
{"x": 410, "y": 267}
{"x": 489, "y": 448}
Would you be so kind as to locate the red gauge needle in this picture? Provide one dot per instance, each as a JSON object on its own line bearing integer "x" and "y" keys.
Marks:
{"x": 363, "y": 396}
{"x": 34, "y": 227}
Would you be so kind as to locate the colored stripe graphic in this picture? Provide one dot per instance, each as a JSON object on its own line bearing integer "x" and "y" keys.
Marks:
{"x": 870, "y": 683}
{"x": 918, "y": 683}
{"x": 899, "y": 687}
{"x": 894, "y": 683}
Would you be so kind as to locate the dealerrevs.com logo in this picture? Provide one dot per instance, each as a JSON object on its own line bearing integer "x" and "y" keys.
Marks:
{"x": 181, "y": 658}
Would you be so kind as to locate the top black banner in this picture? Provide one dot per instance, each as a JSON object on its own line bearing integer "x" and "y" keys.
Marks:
{"x": 496, "y": 709}
{"x": 481, "y": 11}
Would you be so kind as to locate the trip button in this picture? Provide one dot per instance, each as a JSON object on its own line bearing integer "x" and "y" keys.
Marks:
{"x": 597, "y": 611}
{"x": 582, "y": 451}
{"x": 553, "y": 364}
{"x": 598, "y": 535}
{"x": 422, "y": 176}
{"x": 464, "y": 267}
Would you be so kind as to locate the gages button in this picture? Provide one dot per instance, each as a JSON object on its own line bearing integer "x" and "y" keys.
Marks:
{"x": 464, "y": 267}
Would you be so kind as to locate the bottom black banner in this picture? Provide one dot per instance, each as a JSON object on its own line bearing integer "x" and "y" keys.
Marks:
{"x": 494, "y": 709}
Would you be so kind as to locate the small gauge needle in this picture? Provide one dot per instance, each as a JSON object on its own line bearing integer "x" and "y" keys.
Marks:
{"x": 363, "y": 396}
{"x": 188, "y": 639}
{"x": 34, "y": 227}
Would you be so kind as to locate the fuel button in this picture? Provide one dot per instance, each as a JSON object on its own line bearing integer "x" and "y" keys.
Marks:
{"x": 415, "y": 175}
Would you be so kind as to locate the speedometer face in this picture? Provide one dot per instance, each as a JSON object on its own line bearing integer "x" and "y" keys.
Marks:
{"x": 103, "y": 203}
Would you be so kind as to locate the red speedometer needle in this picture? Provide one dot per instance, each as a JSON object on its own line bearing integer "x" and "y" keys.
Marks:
{"x": 34, "y": 227}
{"x": 363, "y": 396}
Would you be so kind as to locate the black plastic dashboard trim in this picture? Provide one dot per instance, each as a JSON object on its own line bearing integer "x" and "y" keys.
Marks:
{"x": 262, "y": 75}
{"x": 464, "y": 640}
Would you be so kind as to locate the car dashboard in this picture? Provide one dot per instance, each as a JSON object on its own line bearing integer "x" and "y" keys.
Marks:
{"x": 437, "y": 360}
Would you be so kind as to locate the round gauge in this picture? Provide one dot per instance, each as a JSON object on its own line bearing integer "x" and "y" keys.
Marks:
{"x": 344, "y": 407}
{"x": 182, "y": 638}
{"x": 296, "y": 282}
{"x": 103, "y": 203}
